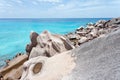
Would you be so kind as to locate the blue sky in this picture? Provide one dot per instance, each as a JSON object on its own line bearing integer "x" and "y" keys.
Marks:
{"x": 59, "y": 8}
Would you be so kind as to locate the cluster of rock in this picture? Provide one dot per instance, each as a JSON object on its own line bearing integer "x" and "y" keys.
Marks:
{"x": 44, "y": 44}
{"x": 13, "y": 68}
{"x": 91, "y": 31}
{"x": 97, "y": 60}
{"x": 47, "y": 44}
{"x": 50, "y": 56}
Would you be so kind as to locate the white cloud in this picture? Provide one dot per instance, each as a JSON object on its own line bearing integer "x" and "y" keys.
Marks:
{"x": 4, "y": 4}
{"x": 18, "y": 1}
{"x": 61, "y": 8}
{"x": 35, "y": 3}
{"x": 51, "y": 1}
{"x": 80, "y": 5}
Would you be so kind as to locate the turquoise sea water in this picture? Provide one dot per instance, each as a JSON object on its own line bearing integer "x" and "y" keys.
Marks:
{"x": 14, "y": 33}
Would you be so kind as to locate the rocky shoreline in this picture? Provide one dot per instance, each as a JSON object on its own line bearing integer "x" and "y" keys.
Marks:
{"x": 92, "y": 31}
{"x": 46, "y": 48}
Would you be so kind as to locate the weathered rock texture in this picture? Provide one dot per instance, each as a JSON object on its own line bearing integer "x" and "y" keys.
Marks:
{"x": 97, "y": 60}
{"x": 52, "y": 68}
{"x": 50, "y": 44}
{"x": 45, "y": 44}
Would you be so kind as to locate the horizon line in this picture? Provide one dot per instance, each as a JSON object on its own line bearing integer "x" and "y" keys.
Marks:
{"x": 57, "y": 18}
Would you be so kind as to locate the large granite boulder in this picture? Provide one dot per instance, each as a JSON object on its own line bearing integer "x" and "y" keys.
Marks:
{"x": 98, "y": 59}
{"x": 52, "y": 68}
{"x": 50, "y": 44}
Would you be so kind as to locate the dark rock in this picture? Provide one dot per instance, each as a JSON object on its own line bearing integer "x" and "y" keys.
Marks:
{"x": 29, "y": 48}
{"x": 33, "y": 37}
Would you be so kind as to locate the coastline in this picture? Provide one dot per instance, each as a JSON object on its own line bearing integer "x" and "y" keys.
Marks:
{"x": 9, "y": 30}
{"x": 70, "y": 41}
{"x": 11, "y": 45}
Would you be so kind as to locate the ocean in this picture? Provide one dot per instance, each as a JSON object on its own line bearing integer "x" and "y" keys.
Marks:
{"x": 14, "y": 33}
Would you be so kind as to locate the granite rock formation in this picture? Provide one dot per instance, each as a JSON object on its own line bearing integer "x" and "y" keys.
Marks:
{"x": 97, "y": 60}
{"x": 52, "y": 68}
{"x": 53, "y": 57}
{"x": 44, "y": 44}
{"x": 50, "y": 44}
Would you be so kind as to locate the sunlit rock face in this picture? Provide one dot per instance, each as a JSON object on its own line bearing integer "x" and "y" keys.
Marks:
{"x": 52, "y": 68}
{"x": 45, "y": 44}
{"x": 50, "y": 44}
{"x": 96, "y": 60}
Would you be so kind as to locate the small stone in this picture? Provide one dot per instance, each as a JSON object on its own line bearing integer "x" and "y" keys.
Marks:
{"x": 82, "y": 40}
